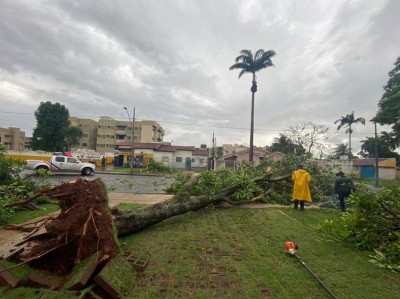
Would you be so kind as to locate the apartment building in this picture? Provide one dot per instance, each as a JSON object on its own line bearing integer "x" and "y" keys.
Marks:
{"x": 12, "y": 138}
{"x": 111, "y": 132}
{"x": 89, "y": 130}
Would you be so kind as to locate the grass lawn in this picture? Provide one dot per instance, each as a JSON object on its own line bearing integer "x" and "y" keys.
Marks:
{"x": 384, "y": 183}
{"x": 26, "y": 216}
{"x": 238, "y": 253}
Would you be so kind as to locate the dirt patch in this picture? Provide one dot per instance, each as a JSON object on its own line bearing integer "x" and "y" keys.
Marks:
{"x": 9, "y": 238}
{"x": 83, "y": 227}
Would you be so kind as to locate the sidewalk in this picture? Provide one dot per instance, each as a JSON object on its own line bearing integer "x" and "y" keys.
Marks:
{"x": 142, "y": 198}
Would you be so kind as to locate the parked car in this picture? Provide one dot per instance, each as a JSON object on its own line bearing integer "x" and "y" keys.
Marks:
{"x": 61, "y": 164}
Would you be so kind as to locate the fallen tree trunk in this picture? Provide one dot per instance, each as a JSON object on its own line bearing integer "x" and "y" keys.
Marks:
{"x": 84, "y": 225}
{"x": 131, "y": 221}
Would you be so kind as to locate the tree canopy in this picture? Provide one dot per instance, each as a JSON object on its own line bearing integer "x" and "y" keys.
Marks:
{"x": 249, "y": 63}
{"x": 52, "y": 121}
{"x": 285, "y": 145}
{"x": 72, "y": 136}
{"x": 384, "y": 149}
{"x": 341, "y": 149}
{"x": 389, "y": 105}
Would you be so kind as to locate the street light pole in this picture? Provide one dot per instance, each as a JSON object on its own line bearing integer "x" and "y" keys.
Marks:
{"x": 132, "y": 136}
{"x": 376, "y": 158}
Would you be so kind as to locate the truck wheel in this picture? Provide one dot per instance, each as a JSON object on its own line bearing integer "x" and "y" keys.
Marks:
{"x": 87, "y": 171}
{"x": 39, "y": 168}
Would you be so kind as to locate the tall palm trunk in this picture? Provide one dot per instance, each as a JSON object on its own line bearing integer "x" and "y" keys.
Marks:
{"x": 253, "y": 91}
{"x": 350, "y": 142}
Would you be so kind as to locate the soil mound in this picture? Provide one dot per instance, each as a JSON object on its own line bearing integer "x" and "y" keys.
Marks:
{"x": 83, "y": 227}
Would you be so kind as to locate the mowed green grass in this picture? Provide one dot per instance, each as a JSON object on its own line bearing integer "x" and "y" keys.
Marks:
{"x": 238, "y": 253}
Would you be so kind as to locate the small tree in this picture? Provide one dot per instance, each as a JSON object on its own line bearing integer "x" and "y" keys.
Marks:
{"x": 52, "y": 120}
{"x": 311, "y": 137}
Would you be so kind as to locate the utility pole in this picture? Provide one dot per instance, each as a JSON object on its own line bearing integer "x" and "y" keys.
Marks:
{"x": 376, "y": 158}
{"x": 213, "y": 153}
{"x": 132, "y": 136}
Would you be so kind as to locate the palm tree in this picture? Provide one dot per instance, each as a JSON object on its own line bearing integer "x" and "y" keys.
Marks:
{"x": 248, "y": 62}
{"x": 346, "y": 122}
{"x": 341, "y": 149}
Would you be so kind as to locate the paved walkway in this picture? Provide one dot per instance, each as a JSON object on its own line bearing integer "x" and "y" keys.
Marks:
{"x": 115, "y": 198}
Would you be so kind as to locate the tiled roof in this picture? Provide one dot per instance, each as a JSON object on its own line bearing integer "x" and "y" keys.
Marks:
{"x": 159, "y": 147}
{"x": 139, "y": 145}
{"x": 174, "y": 148}
{"x": 200, "y": 152}
{"x": 366, "y": 162}
{"x": 256, "y": 151}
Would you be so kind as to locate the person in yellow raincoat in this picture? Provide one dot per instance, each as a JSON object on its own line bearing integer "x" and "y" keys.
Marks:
{"x": 301, "y": 187}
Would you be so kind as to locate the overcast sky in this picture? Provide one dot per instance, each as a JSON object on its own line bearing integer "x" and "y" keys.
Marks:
{"x": 170, "y": 60}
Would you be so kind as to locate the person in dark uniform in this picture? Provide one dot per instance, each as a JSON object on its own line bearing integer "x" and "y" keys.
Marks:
{"x": 343, "y": 187}
{"x": 103, "y": 162}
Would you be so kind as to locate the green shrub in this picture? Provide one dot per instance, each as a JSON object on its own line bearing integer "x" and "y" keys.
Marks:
{"x": 372, "y": 222}
{"x": 157, "y": 167}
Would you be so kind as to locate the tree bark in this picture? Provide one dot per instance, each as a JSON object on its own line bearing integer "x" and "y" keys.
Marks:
{"x": 131, "y": 221}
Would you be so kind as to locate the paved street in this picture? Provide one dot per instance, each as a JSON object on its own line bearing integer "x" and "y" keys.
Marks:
{"x": 116, "y": 183}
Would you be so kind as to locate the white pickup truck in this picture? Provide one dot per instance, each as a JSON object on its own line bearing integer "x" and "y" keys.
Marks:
{"x": 61, "y": 164}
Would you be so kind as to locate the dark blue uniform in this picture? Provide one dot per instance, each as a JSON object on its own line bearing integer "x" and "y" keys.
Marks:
{"x": 343, "y": 187}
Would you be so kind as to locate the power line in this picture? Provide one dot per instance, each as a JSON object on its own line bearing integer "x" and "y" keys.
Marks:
{"x": 205, "y": 126}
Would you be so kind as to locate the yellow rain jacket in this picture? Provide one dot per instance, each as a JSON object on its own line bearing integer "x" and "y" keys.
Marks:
{"x": 301, "y": 187}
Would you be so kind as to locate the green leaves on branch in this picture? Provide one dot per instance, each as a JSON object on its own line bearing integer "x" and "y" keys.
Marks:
{"x": 371, "y": 223}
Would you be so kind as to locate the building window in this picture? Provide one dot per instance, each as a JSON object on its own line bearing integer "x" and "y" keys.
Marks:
{"x": 193, "y": 160}
{"x": 85, "y": 135}
{"x": 178, "y": 159}
{"x": 84, "y": 144}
